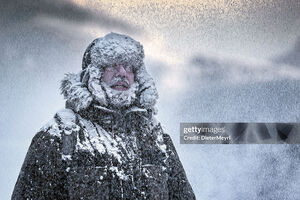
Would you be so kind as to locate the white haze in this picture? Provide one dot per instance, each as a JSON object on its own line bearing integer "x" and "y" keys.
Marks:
{"x": 35, "y": 55}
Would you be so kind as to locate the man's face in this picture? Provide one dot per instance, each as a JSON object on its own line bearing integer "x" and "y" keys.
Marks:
{"x": 119, "y": 76}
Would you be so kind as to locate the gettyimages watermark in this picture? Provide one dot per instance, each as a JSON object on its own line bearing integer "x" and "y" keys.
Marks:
{"x": 239, "y": 133}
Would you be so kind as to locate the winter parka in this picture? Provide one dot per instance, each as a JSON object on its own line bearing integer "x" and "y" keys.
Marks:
{"x": 74, "y": 157}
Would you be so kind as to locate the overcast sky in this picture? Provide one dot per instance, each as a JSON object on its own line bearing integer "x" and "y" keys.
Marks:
{"x": 211, "y": 60}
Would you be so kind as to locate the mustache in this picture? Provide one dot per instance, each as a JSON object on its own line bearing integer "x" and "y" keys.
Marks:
{"x": 118, "y": 79}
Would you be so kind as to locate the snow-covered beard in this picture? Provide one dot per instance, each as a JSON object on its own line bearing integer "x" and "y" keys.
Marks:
{"x": 118, "y": 99}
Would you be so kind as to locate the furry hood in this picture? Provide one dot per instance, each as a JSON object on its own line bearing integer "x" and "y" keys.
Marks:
{"x": 84, "y": 88}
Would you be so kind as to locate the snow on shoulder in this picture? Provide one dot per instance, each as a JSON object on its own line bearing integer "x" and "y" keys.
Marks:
{"x": 64, "y": 121}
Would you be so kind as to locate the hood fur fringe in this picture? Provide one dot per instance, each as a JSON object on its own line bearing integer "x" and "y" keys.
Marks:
{"x": 79, "y": 98}
{"x": 75, "y": 92}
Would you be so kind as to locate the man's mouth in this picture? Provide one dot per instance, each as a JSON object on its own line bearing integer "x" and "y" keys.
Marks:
{"x": 120, "y": 86}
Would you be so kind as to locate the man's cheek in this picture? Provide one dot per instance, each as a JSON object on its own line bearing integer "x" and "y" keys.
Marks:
{"x": 131, "y": 79}
{"x": 107, "y": 77}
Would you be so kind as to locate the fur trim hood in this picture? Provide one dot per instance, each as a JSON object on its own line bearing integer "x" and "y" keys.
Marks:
{"x": 83, "y": 89}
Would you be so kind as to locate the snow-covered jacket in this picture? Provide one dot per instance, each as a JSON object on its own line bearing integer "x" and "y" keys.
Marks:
{"x": 89, "y": 151}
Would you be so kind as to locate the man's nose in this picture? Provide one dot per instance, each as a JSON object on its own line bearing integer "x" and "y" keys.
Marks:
{"x": 121, "y": 70}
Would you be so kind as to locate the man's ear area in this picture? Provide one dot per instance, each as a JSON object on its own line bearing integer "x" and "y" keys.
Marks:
{"x": 77, "y": 96}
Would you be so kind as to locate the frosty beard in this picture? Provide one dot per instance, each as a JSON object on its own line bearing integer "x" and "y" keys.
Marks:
{"x": 119, "y": 99}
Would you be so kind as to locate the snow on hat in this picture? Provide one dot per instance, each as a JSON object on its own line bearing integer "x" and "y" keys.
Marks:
{"x": 113, "y": 48}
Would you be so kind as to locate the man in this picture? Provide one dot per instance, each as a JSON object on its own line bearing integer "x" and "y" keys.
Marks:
{"x": 106, "y": 144}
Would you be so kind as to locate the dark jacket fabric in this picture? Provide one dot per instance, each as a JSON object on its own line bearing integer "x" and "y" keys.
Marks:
{"x": 102, "y": 154}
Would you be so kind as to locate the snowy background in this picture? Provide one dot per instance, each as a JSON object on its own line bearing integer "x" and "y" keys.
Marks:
{"x": 213, "y": 61}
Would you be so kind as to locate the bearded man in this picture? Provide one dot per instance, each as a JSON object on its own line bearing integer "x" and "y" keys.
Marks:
{"x": 106, "y": 144}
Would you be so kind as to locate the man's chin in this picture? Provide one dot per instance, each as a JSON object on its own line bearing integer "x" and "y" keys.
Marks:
{"x": 120, "y": 96}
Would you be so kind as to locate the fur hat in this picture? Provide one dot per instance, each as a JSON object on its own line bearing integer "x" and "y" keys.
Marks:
{"x": 81, "y": 89}
{"x": 113, "y": 48}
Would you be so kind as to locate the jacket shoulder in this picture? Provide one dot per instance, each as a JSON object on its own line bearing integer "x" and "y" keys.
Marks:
{"x": 43, "y": 165}
{"x": 64, "y": 122}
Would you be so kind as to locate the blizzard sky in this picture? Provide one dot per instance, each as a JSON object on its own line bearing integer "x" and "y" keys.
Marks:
{"x": 229, "y": 61}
